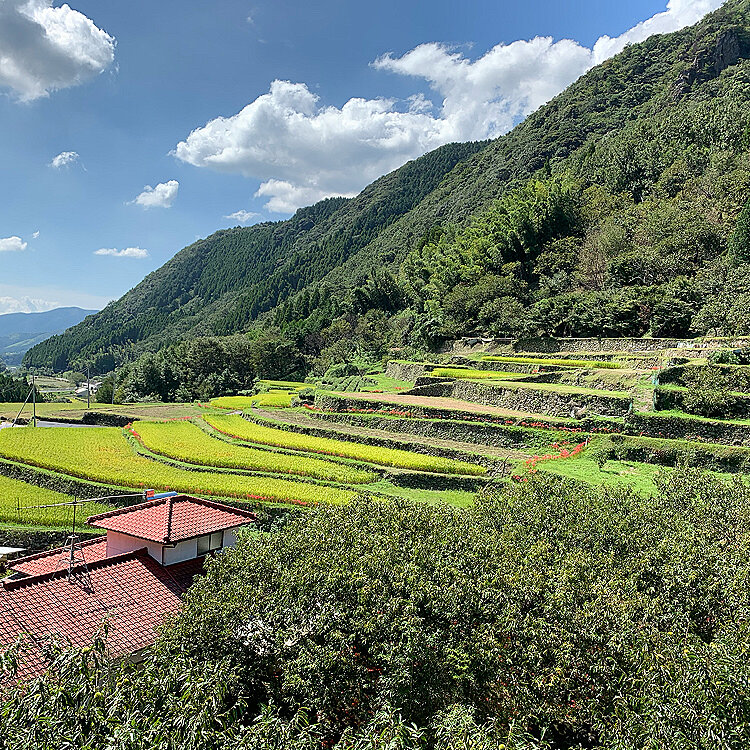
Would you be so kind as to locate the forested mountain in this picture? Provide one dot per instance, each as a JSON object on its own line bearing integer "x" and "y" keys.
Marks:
{"x": 612, "y": 210}
{"x": 20, "y": 331}
{"x": 219, "y": 285}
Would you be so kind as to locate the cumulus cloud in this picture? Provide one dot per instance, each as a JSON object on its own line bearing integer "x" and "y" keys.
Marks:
{"x": 25, "y": 304}
{"x": 46, "y": 48}
{"x": 35, "y": 235}
{"x": 679, "y": 13}
{"x": 161, "y": 196}
{"x": 242, "y": 216}
{"x": 12, "y": 244}
{"x": 64, "y": 159}
{"x": 303, "y": 151}
{"x": 128, "y": 252}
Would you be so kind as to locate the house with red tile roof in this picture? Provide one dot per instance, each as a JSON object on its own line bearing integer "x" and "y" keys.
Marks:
{"x": 131, "y": 578}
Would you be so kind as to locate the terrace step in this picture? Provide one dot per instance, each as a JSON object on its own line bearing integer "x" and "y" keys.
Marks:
{"x": 353, "y": 431}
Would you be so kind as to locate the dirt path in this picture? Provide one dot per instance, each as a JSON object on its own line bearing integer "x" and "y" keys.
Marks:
{"x": 303, "y": 420}
{"x": 438, "y": 402}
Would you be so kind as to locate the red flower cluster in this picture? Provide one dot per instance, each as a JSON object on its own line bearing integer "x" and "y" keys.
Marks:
{"x": 564, "y": 453}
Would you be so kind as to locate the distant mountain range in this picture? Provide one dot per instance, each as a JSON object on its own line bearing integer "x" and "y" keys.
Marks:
{"x": 20, "y": 331}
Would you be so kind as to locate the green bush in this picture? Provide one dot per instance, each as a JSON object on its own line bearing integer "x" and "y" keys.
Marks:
{"x": 591, "y": 618}
{"x": 707, "y": 394}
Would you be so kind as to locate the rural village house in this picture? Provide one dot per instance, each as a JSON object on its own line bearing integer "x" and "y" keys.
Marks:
{"x": 132, "y": 577}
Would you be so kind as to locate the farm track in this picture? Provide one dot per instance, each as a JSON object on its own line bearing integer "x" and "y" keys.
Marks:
{"x": 302, "y": 420}
{"x": 441, "y": 402}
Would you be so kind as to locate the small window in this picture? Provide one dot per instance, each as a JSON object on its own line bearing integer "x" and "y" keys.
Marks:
{"x": 210, "y": 542}
{"x": 204, "y": 543}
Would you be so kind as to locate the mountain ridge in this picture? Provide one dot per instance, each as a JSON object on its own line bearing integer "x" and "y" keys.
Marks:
{"x": 21, "y": 330}
{"x": 590, "y": 130}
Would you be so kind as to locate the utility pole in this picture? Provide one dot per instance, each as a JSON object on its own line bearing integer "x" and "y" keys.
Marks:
{"x": 88, "y": 387}
{"x": 33, "y": 396}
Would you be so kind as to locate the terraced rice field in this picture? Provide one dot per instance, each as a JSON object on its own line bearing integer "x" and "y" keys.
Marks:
{"x": 284, "y": 385}
{"x": 471, "y": 374}
{"x": 280, "y": 399}
{"x": 236, "y": 426}
{"x": 14, "y": 493}
{"x": 103, "y": 454}
{"x": 580, "y": 363}
{"x": 187, "y": 442}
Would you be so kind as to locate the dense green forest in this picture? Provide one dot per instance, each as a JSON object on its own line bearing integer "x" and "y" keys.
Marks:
{"x": 550, "y": 615}
{"x": 618, "y": 209}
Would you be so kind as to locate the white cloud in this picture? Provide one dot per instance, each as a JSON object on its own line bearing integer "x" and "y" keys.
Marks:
{"x": 14, "y": 298}
{"x": 12, "y": 244}
{"x": 242, "y": 216}
{"x": 679, "y": 13}
{"x": 25, "y": 304}
{"x": 302, "y": 150}
{"x": 161, "y": 196}
{"x": 128, "y": 252}
{"x": 35, "y": 235}
{"x": 46, "y": 48}
{"x": 65, "y": 159}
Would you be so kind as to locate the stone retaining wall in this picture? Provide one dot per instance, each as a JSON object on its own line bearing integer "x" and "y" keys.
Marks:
{"x": 409, "y": 371}
{"x": 549, "y": 345}
{"x": 553, "y": 403}
{"x": 687, "y": 429}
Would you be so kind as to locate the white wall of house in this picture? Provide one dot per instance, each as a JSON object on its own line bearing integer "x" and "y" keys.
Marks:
{"x": 230, "y": 537}
{"x": 119, "y": 543}
{"x": 182, "y": 551}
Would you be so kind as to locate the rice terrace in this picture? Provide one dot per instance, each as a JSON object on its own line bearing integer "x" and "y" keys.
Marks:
{"x": 602, "y": 412}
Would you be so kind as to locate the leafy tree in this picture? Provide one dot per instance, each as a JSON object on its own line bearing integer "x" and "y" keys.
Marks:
{"x": 550, "y": 615}
{"x": 707, "y": 393}
{"x": 739, "y": 243}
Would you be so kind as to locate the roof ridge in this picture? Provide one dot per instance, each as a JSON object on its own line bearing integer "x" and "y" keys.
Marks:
{"x": 219, "y": 506}
{"x": 127, "y": 509}
{"x": 95, "y": 565}
{"x": 170, "y": 506}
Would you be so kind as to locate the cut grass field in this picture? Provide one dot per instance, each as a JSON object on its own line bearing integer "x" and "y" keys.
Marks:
{"x": 13, "y": 493}
{"x": 386, "y": 383}
{"x": 103, "y": 454}
{"x": 639, "y": 476}
{"x": 579, "y": 363}
{"x": 187, "y": 442}
{"x": 237, "y": 427}
{"x": 76, "y": 409}
{"x": 677, "y": 414}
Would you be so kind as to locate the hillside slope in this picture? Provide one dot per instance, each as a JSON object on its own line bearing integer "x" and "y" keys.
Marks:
{"x": 220, "y": 284}
{"x": 674, "y": 102}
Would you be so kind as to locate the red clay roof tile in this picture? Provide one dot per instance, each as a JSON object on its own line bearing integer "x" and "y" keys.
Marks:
{"x": 172, "y": 519}
{"x": 132, "y": 592}
{"x": 56, "y": 559}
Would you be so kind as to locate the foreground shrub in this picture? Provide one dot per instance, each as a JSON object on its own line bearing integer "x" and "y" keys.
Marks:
{"x": 549, "y": 615}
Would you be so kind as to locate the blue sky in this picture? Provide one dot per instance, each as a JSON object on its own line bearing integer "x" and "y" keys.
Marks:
{"x": 229, "y": 107}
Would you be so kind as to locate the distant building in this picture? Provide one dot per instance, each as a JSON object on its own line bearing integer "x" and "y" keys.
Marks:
{"x": 87, "y": 389}
{"x": 132, "y": 577}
